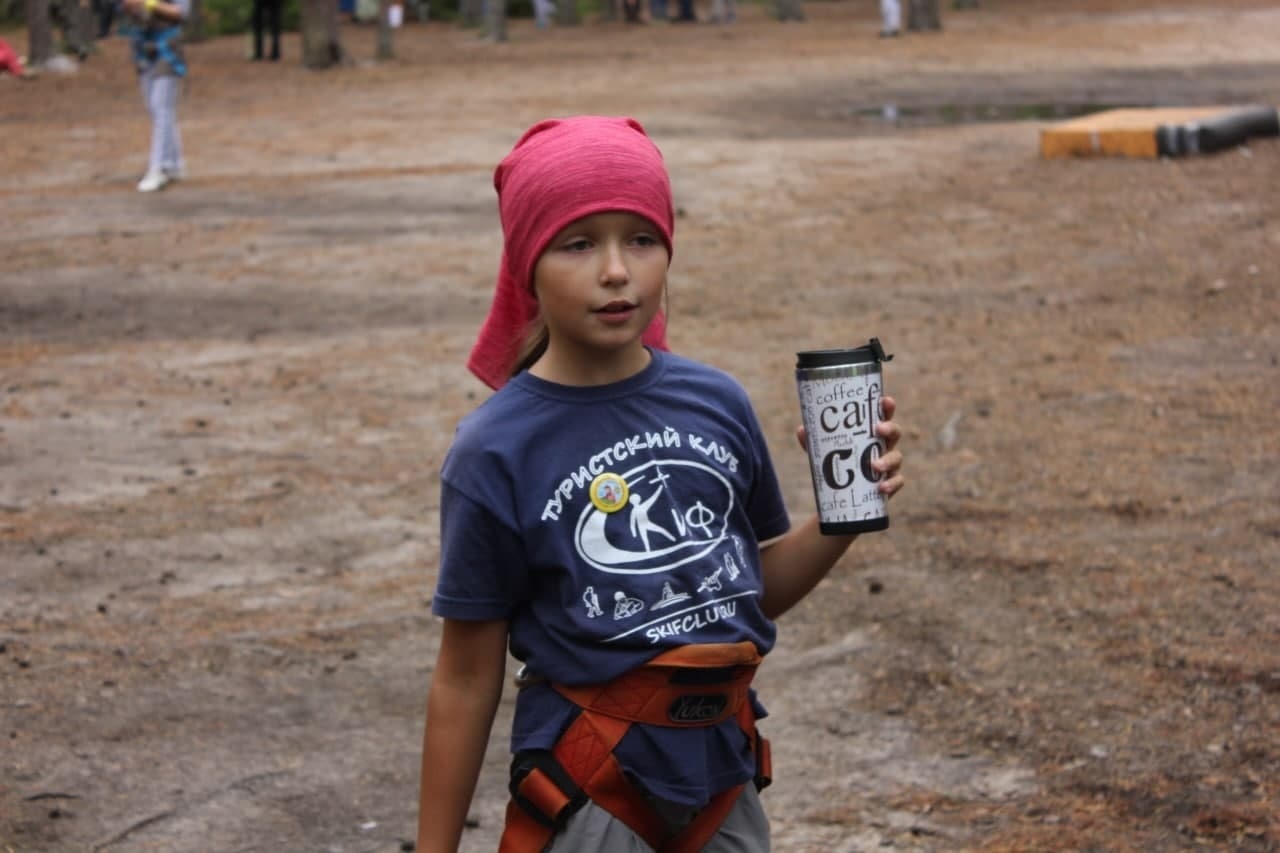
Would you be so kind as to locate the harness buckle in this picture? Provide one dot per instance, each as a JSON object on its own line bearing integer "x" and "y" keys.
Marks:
{"x": 526, "y": 677}
{"x": 543, "y": 789}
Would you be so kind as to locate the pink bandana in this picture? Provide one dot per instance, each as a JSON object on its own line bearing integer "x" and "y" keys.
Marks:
{"x": 562, "y": 170}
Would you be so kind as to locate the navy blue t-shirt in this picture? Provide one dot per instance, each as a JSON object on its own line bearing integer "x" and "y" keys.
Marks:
{"x": 608, "y": 524}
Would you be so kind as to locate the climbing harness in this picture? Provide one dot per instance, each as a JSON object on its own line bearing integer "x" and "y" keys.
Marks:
{"x": 688, "y": 687}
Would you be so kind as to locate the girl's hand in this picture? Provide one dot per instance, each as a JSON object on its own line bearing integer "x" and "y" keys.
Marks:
{"x": 890, "y": 462}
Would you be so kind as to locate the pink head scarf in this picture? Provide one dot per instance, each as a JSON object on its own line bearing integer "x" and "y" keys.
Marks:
{"x": 562, "y": 170}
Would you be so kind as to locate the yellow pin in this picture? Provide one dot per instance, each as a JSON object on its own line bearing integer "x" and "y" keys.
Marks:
{"x": 609, "y": 492}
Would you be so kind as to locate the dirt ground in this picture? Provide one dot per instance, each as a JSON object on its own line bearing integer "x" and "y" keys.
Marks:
{"x": 223, "y": 409}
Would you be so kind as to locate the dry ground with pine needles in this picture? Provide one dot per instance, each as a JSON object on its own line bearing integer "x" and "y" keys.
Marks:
{"x": 223, "y": 409}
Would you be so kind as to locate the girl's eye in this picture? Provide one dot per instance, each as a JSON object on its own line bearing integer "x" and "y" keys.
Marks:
{"x": 580, "y": 244}
{"x": 644, "y": 240}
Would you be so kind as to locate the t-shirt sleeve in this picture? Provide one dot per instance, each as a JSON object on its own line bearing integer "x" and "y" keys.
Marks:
{"x": 765, "y": 505}
{"x": 482, "y": 563}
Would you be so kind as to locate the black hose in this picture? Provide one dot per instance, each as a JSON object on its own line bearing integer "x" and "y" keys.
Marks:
{"x": 1222, "y": 131}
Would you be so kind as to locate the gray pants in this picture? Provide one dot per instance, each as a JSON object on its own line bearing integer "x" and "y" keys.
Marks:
{"x": 160, "y": 94}
{"x": 594, "y": 830}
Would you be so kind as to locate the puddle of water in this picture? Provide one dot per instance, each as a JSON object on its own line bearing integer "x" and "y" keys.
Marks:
{"x": 894, "y": 115}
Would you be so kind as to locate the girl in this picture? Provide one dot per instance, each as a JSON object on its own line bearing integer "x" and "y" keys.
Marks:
{"x": 611, "y": 516}
{"x": 156, "y": 35}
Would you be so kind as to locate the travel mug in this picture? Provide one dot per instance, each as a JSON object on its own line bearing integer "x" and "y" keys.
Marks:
{"x": 840, "y": 391}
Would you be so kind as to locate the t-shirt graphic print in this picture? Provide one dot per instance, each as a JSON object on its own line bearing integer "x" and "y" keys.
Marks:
{"x": 610, "y": 523}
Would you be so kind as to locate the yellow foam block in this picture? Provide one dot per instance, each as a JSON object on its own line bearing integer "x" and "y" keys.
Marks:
{"x": 1118, "y": 133}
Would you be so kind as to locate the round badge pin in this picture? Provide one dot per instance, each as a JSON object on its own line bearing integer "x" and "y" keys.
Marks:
{"x": 609, "y": 492}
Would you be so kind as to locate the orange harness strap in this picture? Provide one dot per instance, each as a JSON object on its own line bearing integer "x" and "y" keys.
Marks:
{"x": 697, "y": 685}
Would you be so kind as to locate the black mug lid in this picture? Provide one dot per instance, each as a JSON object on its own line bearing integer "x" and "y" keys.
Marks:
{"x": 868, "y": 352}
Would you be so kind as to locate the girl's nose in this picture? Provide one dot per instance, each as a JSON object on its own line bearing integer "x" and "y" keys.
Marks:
{"x": 615, "y": 265}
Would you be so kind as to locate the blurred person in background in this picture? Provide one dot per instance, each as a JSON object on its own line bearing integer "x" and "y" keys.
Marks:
{"x": 156, "y": 33}
{"x": 104, "y": 12}
{"x": 63, "y": 14}
{"x": 266, "y": 13}
{"x": 890, "y": 18}
{"x": 10, "y": 62}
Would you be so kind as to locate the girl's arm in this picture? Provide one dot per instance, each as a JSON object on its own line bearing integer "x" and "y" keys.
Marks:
{"x": 464, "y": 695}
{"x": 793, "y": 565}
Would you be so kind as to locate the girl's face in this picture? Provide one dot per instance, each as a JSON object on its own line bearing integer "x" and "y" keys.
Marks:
{"x": 599, "y": 282}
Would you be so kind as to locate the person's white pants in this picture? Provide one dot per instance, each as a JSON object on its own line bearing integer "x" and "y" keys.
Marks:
{"x": 542, "y": 12}
{"x": 890, "y": 16}
{"x": 160, "y": 94}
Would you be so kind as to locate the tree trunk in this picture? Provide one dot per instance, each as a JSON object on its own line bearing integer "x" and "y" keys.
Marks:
{"x": 193, "y": 31}
{"x": 321, "y": 44}
{"x": 495, "y": 19}
{"x": 84, "y": 26}
{"x": 471, "y": 13}
{"x": 384, "y": 51}
{"x": 924, "y": 15}
{"x": 567, "y": 13}
{"x": 39, "y": 33}
{"x": 790, "y": 10}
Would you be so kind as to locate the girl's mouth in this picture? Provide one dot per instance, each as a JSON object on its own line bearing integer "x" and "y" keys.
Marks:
{"x": 617, "y": 311}
{"x": 617, "y": 306}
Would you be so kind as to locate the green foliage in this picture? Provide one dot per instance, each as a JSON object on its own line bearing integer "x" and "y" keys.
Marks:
{"x": 229, "y": 17}
{"x": 12, "y": 12}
